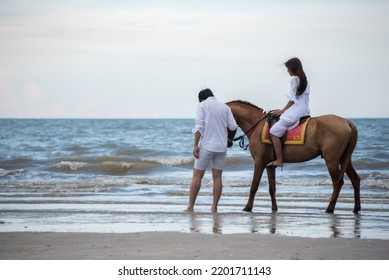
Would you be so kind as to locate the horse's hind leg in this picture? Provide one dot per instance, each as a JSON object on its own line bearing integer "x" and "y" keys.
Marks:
{"x": 333, "y": 168}
{"x": 356, "y": 182}
{"x": 271, "y": 176}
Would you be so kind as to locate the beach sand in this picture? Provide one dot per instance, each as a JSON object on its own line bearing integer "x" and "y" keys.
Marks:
{"x": 184, "y": 246}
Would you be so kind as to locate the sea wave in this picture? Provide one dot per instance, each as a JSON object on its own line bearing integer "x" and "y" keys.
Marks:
{"x": 103, "y": 167}
{"x": 119, "y": 166}
{"x": 372, "y": 163}
{"x": 71, "y": 165}
{"x": 237, "y": 161}
{"x": 15, "y": 172}
{"x": 170, "y": 161}
{"x": 147, "y": 160}
{"x": 58, "y": 186}
{"x": 160, "y": 171}
{"x": 18, "y": 163}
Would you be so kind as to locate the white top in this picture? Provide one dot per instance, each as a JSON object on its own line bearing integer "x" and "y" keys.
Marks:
{"x": 212, "y": 119}
{"x": 300, "y": 107}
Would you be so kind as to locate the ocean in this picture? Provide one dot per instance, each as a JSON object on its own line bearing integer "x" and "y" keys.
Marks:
{"x": 133, "y": 175}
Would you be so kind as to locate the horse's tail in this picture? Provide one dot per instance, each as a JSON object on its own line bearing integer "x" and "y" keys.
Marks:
{"x": 346, "y": 157}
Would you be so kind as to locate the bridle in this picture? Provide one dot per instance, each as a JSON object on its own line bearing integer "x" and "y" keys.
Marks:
{"x": 248, "y": 133}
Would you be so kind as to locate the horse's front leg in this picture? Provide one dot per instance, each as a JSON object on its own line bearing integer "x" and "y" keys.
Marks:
{"x": 258, "y": 170}
{"x": 271, "y": 176}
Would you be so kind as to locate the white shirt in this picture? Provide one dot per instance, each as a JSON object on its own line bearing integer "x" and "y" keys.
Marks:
{"x": 300, "y": 107}
{"x": 212, "y": 120}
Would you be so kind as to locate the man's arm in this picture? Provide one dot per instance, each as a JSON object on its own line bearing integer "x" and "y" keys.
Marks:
{"x": 196, "y": 144}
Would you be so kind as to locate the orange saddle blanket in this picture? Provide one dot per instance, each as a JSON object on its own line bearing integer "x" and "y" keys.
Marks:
{"x": 295, "y": 136}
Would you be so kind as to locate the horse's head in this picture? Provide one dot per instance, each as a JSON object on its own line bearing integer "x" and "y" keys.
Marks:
{"x": 245, "y": 111}
{"x": 246, "y": 114}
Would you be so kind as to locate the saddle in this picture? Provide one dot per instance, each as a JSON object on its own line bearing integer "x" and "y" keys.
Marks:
{"x": 295, "y": 136}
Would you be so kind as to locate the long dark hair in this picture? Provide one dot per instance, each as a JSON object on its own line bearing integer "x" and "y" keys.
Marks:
{"x": 296, "y": 68}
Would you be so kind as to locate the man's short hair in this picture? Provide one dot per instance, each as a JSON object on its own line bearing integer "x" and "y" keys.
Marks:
{"x": 204, "y": 94}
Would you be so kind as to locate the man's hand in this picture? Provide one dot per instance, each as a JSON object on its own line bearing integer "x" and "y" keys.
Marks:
{"x": 196, "y": 152}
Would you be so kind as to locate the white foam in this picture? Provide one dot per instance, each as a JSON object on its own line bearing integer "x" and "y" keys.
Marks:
{"x": 72, "y": 165}
{"x": 171, "y": 161}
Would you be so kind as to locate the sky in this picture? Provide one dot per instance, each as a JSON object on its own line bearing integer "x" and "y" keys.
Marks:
{"x": 149, "y": 59}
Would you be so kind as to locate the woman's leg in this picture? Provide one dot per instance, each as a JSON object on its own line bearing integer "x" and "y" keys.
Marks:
{"x": 278, "y": 148}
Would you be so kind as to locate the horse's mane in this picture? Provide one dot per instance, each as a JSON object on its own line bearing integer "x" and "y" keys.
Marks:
{"x": 245, "y": 103}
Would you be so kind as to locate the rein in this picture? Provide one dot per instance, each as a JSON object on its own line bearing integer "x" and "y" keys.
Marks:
{"x": 248, "y": 133}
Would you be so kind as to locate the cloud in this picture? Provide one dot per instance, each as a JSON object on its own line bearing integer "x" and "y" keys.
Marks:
{"x": 28, "y": 102}
{"x": 7, "y": 100}
{"x": 150, "y": 60}
{"x": 32, "y": 93}
{"x": 247, "y": 34}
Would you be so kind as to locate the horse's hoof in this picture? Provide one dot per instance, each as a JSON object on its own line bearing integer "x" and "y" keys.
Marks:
{"x": 330, "y": 211}
{"x": 247, "y": 209}
{"x": 356, "y": 211}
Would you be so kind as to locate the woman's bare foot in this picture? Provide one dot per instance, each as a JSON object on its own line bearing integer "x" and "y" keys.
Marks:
{"x": 275, "y": 164}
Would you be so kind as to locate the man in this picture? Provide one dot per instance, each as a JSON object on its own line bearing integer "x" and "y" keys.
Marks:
{"x": 210, "y": 144}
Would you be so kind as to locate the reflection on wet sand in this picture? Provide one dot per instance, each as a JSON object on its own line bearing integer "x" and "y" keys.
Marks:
{"x": 336, "y": 225}
{"x": 196, "y": 222}
{"x": 322, "y": 225}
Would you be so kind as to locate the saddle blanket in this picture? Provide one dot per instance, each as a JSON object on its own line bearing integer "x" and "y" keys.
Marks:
{"x": 295, "y": 136}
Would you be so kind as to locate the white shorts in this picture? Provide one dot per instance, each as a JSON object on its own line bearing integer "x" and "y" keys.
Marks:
{"x": 279, "y": 128}
{"x": 216, "y": 159}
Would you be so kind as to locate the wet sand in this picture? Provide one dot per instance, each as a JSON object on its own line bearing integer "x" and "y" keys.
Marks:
{"x": 184, "y": 246}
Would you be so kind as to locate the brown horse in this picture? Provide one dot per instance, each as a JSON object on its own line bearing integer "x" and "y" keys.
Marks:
{"x": 329, "y": 136}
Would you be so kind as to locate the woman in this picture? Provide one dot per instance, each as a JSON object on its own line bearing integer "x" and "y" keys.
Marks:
{"x": 297, "y": 107}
